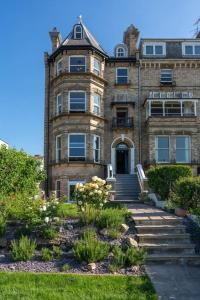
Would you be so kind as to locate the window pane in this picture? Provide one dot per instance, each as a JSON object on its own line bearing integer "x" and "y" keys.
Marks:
{"x": 182, "y": 142}
{"x": 77, "y": 138}
{"x": 188, "y": 49}
{"x": 163, "y": 142}
{"x": 72, "y": 192}
{"x": 77, "y": 101}
{"x": 77, "y": 152}
{"x": 158, "y": 49}
{"x": 163, "y": 155}
{"x": 122, "y": 80}
{"x": 197, "y": 50}
{"x": 76, "y": 60}
{"x": 122, "y": 72}
{"x": 149, "y": 50}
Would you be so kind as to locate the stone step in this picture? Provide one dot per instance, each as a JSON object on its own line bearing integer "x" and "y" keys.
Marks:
{"x": 157, "y": 220}
{"x": 191, "y": 259}
{"x": 164, "y": 238}
{"x": 126, "y": 201}
{"x": 160, "y": 229}
{"x": 168, "y": 248}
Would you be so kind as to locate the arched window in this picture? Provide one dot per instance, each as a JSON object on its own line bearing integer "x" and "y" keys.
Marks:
{"x": 78, "y": 32}
{"x": 120, "y": 52}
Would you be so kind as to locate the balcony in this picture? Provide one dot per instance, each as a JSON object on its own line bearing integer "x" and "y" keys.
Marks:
{"x": 122, "y": 122}
{"x": 122, "y": 99}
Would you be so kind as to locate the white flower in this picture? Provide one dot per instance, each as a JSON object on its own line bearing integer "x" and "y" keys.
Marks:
{"x": 94, "y": 178}
{"x": 80, "y": 202}
{"x": 46, "y": 219}
{"x": 81, "y": 190}
{"x": 106, "y": 193}
{"x": 91, "y": 194}
{"x": 44, "y": 208}
{"x": 103, "y": 181}
{"x": 56, "y": 219}
{"x": 101, "y": 204}
{"x": 105, "y": 201}
{"x": 99, "y": 192}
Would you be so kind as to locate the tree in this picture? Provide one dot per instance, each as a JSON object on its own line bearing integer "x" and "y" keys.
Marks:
{"x": 19, "y": 172}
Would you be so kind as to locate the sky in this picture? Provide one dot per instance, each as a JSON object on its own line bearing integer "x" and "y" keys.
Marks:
{"x": 24, "y": 27}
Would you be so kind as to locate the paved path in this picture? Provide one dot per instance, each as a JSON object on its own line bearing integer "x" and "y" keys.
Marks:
{"x": 171, "y": 281}
{"x": 175, "y": 282}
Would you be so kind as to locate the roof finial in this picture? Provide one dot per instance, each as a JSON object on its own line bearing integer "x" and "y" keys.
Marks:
{"x": 80, "y": 19}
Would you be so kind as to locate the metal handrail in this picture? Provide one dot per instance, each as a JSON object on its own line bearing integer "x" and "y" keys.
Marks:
{"x": 143, "y": 180}
{"x": 110, "y": 172}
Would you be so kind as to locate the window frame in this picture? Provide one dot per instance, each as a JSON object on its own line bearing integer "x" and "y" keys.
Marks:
{"x": 75, "y": 32}
{"x": 58, "y": 191}
{"x": 193, "y": 44}
{"x": 59, "y": 70}
{"x": 122, "y": 76}
{"x": 57, "y": 105}
{"x": 157, "y": 149}
{"x": 97, "y": 106}
{"x": 69, "y": 63}
{"x": 97, "y": 71}
{"x": 85, "y": 145}
{"x": 58, "y": 150}
{"x": 95, "y": 149}
{"x": 69, "y": 102}
{"x": 73, "y": 182}
{"x": 163, "y": 73}
{"x": 117, "y": 52}
{"x": 186, "y": 149}
{"x": 154, "y": 44}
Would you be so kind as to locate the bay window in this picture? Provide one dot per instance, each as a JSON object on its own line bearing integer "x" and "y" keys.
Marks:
{"x": 77, "y": 101}
{"x": 96, "y": 104}
{"x": 59, "y": 67}
{"x": 183, "y": 149}
{"x": 162, "y": 149}
{"x": 76, "y": 147}
{"x": 77, "y": 64}
{"x": 97, "y": 66}
{"x": 96, "y": 148}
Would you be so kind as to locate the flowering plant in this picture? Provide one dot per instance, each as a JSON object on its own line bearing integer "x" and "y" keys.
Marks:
{"x": 94, "y": 193}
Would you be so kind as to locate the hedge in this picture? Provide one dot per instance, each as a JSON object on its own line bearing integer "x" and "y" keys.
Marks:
{"x": 162, "y": 178}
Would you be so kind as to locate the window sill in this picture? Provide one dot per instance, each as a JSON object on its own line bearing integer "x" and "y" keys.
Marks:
{"x": 122, "y": 84}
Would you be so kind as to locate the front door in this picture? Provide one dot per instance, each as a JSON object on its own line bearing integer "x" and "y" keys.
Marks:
{"x": 122, "y": 159}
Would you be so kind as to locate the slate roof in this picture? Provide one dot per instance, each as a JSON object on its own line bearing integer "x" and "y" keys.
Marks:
{"x": 87, "y": 40}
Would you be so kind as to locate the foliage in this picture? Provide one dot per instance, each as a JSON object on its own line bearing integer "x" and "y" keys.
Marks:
{"x": 119, "y": 257}
{"x": 89, "y": 215}
{"x": 112, "y": 217}
{"x": 113, "y": 233}
{"x": 89, "y": 248}
{"x": 162, "y": 178}
{"x": 66, "y": 267}
{"x": 135, "y": 256}
{"x": 2, "y": 225}
{"x": 93, "y": 193}
{"x": 56, "y": 252}
{"x": 47, "y": 254}
{"x": 22, "y": 250}
{"x": 19, "y": 172}
{"x": 48, "y": 232}
{"x": 32, "y": 286}
{"x": 187, "y": 193}
{"x": 67, "y": 210}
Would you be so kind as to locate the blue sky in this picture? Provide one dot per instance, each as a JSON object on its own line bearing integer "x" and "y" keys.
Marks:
{"x": 24, "y": 37}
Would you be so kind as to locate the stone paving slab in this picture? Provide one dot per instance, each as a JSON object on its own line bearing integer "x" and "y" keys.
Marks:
{"x": 175, "y": 282}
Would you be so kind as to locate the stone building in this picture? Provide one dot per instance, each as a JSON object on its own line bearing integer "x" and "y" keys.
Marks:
{"x": 139, "y": 105}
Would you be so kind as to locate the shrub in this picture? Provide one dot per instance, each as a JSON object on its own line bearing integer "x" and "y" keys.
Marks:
{"x": 23, "y": 249}
{"x": 56, "y": 252}
{"x": 2, "y": 225}
{"x": 113, "y": 233}
{"x": 119, "y": 256}
{"x": 66, "y": 267}
{"x": 188, "y": 193}
{"x": 49, "y": 233}
{"x": 47, "y": 254}
{"x": 112, "y": 218}
{"x": 94, "y": 193}
{"x": 89, "y": 215}
{"x": 67, "y": 210}
{"x": 135, "y": 256}
{"x": 162, "y": 178}
{"x": 89, "y": 248}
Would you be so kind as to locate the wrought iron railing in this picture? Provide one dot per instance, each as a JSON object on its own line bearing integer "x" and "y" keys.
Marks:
{"x": 122, "y": 122}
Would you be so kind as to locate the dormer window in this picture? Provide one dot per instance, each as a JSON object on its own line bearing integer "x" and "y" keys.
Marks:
{"x": 78, "y": 32}
{"x": 121, "y": 51}
{"x": 154, "y": 49}
{"x": 191, "y": 48}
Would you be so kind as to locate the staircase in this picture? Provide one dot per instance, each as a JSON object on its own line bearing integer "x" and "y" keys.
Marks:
{"x": 163, "y": 236}
{"x": 127, "y": 188}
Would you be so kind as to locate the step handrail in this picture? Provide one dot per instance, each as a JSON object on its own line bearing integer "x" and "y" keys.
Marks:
{"x": 143, "y": 180}
{"x": 110, "y": 174}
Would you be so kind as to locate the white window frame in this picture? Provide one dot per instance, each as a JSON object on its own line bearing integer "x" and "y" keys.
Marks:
{"x": 122, "y": 76}
{"x": 193, "y": 44}
{"x": 156, "y": 148}
{"x": 69, "y": 102}
{"x": 70, "y": 134}
{"x": 58, "y": 149}
{"x": 189, "y": 149}
{"x": 69, "y": 63}
{"x": 164, "y": 72}
{"x": 95, "y": 149}
{"x": 75, "y": 32}
{"x": 97, "y": 71}
{"x": 163, "y": 44}
{"x": 98, "y": 107}
{"x": 73, "y": 182}
{"x": 58, "y": 105}
{"x": 58, "y": 191}
{"x": 118, "y": 54}
{"x": 59, "y": 69}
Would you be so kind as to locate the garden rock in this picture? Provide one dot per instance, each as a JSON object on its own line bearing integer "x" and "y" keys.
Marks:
{"x": 70, "y": 227}
{"x": 104, "y": 232}
{"x": 131, "y": 242}
{"x": 124, "y": 228}
{"x": 92, "y": 267}
{"x": 135, "y": 269}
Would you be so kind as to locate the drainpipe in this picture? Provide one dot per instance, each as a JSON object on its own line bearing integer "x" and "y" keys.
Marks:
{"x": 139, "y": 107}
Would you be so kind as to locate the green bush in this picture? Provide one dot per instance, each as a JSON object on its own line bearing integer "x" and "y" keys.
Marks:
{"x": 89, "y": 249}
{"x": 23, "y": 250}
{"x": 67, "y": 210}
{"x": 113, "y": 233}
{"x": 56, "y": 252}
{"x": 66, "y": 267}
{"x": 49, "y": 233}
{"x": 47, "y": 254}
{"x": 162, "y": 178}
{"x": 89, "y": 215}
{"x": 119, "y": 256}
{"x": 112, "y": 218}
{"x": 135, "y": 256}
{"x": 187, "y": 191}
{"x": 2, "y": 225}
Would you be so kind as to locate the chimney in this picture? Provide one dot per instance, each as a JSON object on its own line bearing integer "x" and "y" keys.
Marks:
{"x": 56, "y": 38}
{"x": 130, "y": 39}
